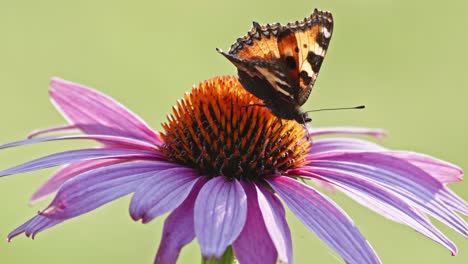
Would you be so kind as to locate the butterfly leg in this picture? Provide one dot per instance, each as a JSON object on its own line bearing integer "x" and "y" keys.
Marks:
{"x": 308, "y": 137}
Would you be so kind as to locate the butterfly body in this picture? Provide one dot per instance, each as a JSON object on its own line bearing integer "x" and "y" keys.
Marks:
{"x": 279, "y": 63}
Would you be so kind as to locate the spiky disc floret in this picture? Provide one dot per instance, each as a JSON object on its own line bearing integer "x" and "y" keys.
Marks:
{"x": 220, "y": 129}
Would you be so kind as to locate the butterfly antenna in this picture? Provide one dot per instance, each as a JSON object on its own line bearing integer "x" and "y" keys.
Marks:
{"x": 339, "y": 108}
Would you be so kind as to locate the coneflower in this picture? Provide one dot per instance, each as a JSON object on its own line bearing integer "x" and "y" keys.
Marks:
{"x": 220, "y": 166}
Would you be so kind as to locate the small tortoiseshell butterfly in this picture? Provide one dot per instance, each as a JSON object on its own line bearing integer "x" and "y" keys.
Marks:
{"x": 279, "y": 63}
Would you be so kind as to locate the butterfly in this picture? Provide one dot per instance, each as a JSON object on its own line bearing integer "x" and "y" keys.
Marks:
{"x": 280, "y": 63}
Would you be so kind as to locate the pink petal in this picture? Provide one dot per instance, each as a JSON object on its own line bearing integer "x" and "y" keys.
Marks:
{"x": 373, "y": 132}
{"x": 254, "y": 244}
{"x": 325, "y": 186}
{"x": 326, "y": 219}
{"x": 95, "y": 188}
{"x": 68, "y": 172}
{"x": 49, "y": 130}
{"x": 33, "y": 226}
{"x": 409, "y": 182}
{"x": 453, "y": 201}
{"x": 162, "y": 192}
{"x": 178, "y": 229}
{"x": 376, "y": 197}
{"x": 275, "y": 220}
{"x": 67, "y": 157}
{"x": 443, "y": 171}
{"x": 109, "y": 140}
{"x": 326, "y": 145}
{"x": 82, "y": 105}
{"x": 220, "y": 214}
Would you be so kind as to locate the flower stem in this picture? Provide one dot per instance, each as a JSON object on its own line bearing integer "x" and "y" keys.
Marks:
{"x": 227, "y": 258}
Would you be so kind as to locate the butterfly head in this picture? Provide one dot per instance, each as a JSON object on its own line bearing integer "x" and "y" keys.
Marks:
{"x": 304, "y": 118}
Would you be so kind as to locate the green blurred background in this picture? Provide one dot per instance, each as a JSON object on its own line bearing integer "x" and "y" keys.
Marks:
{"x": 405, "y": 60}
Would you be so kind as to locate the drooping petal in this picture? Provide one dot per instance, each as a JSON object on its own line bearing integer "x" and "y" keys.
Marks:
{"x": 95, "y": 188}
{"x": 78, "y": 155}
{"x": 443, "y": 171}
{"x": 326, "y": 219}
{"x": 50, "y": 130}
{"x": 82, "y": 105}
{"x": 33, "y": 226}
{"x": 388, "y": 204}
{"x": 220, "y": 213}
{"x": 453, "y": 201}
{"x": 68, "y": 172}
{"x": 401, "y": 177}
{"x": 373, "y": 132}
{"x": 109, "y": 140}
{"x": 275, "y": 220}
{"x": 162, "y": 192}
{"x": 325, "y": 145}
{"x": 178, "y": 229}
{"x": 254, "y": 244}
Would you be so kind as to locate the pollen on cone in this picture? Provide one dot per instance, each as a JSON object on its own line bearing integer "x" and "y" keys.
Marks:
{"x": 220, "y": 129}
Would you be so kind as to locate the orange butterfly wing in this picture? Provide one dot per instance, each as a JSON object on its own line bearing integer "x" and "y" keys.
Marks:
{"x": 280, "y": 63}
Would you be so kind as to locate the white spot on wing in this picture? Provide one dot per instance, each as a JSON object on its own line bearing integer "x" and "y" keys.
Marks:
{"x": 326, "y": 33}
{"x": 307, "y": 68}
{"x": 318, "y": 50}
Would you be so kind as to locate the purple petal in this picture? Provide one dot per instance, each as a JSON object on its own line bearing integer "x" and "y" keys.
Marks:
{"x": 49, "y": 130}
{"x": 326, "y": 219}
{"x": 373, "y": 132}
{"x": 453, "y": 201}
{"x": 254, "y": 244}
{"x": 68, "y": 172}
{"x": 109, "y": 140}
{"x": 220, "y": 213}
{"x": 95, "y": 188}
{"x": 33, "y": 226}
{"x": 162, "y": 192}
{"x": 409, "y": 182}
{"x": 78, "y": 155}
{"x": 178, "y": 229}
{"x": 443, "y": 171}
{"x": 275, "y": 220}
{"x": 374, "y": 196}
{"x": 325, "y": 145}
{"x": 82, "y": 105}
